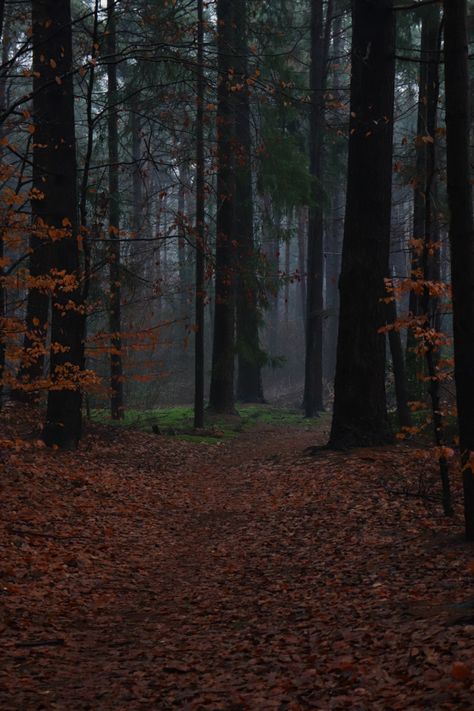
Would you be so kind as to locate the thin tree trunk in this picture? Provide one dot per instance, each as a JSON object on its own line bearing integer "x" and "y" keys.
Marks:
{"x": 56, "y": 212}
{"x": 200, "y": 228}
{"x": 137, "y": 182}
{"x": 287, "y": 272}
{"x": 31, "y": 368}
{"x": 461, "y": 235}
{"x": 333, "y": 268}
{"x": 313, "y": 391}
{"x": 249, "y": 376}
{"x": 221, "y": 397}
{"x": 84, "y": 189}
{"x": 302, "y": 231}
{"x": 398, "y": 364}
{"x": 360, "y": 411}
{"x": 3, "y": 133}
{"x": 429, "y": 44}
{"x": 430, "y": 258}
{"x": 115, "y": 317}
{"x": 182, "y": 260}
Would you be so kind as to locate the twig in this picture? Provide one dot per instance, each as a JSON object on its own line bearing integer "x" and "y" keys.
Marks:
{"x": 41, "y": 643}
{"x": 41, "y": 534}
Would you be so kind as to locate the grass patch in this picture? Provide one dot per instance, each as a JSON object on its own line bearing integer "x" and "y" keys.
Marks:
{"x": 178, "y": 421}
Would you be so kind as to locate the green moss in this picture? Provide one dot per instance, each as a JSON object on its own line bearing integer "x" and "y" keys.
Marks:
{"x": 178, "y": 421}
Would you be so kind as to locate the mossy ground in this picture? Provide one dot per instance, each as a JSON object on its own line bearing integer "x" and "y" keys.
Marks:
{"x": 178, "y": 421}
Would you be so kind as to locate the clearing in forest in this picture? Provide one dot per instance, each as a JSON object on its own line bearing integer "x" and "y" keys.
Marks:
{"x": 144, "y": 572}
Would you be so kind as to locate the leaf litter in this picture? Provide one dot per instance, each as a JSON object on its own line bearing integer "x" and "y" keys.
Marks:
{"x": 147, "y": 573}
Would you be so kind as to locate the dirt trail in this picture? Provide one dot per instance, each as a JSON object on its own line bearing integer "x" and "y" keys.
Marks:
{"x": 155, "y": 574}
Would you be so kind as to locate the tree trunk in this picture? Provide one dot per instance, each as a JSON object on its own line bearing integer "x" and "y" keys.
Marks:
{"x": 313, "y": 391}
{"x": 200, "y": 228}
{"x": 56, "y": 212}
{"x": 333, "y": 268}
{"x": 360, "y": 412}
{"x": 115, "y": 317}
{"x": 461, "y": 234}
{"x": 427, "y": 87}
{"x": 31, "y": 368}
{"x": 302, "y": 231}
{"x": 287, "y": 271}
{"x": 249, "y": 377}
{"x": 182, "y": 256}
{"x": 398, "y": 365}
{"x": 221, "y": 397}
{"x": 137, "y": 180}
{"x": 430, "y": 258}
{"x": 4, "y": 227}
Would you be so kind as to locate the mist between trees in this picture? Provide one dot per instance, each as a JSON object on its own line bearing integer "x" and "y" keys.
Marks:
{"x": 243, "y": 201}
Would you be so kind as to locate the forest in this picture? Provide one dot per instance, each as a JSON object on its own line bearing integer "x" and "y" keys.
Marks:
{"x": 236, "y": 355}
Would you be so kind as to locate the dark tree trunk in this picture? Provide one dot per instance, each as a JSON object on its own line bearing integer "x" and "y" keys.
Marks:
{"x": 461, "y": 234}
{"x": 333, "y": 268}
{"x": 313, "y": 392}
{"x": 137, "y": 181}
{"x": 31, "y": 368}
{"x": 221, "y": 397}
{"x": 3, "y": 227}
{"x": 287, "y": 272}
{"x": 430, "y": 258}
{"x": 398, "y": 364}
{"x": 302, "y": 231}
{"x": 55, "y": 175}
{"x": 115, "y": 316}
{"x": 360, "y": 412}
{"x": 200, "y": 228}
{"x": 249, "y": 377}
{"x": 272, "y": 224}
{"x": 427, "y": 94}
{"x": 182, "y": 235}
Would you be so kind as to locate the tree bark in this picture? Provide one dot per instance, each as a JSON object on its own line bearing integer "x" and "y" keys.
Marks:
{"x": 302, "y": 231}
{"x": 360, "y": 412}
{"x": 221, "y": 397}
{"x": 200, "y": 228}
{"x": 428, "y": 86}
{"x": 3, "y": 133}
{"x": 56, "y": 212}
{"x": 115, "y": 316}
{"x": 249, "y": 376}
{"x": 398, "y": 365}
{"x": 31, "y": 368}
{"x": 461, "y": 235}
{"x": 313, "y": 392}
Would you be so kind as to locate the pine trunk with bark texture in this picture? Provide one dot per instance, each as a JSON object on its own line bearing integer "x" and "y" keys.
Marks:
{"x": 199, "y": 344}
{"x": 221, "y": 396}
{"x": 461, "y": 234}
{"x": 55, "y": 174}
{"x": 313, "y": 391}
{"x": 115, "y": 315}
{"x": 249, "y": 376}
{"x": 360, "y": 411}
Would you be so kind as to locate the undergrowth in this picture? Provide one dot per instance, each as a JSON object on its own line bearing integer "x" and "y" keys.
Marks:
{"x": 178, "y": 421}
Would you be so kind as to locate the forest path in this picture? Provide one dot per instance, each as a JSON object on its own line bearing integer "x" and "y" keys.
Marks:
{"x": 146, "y": 573}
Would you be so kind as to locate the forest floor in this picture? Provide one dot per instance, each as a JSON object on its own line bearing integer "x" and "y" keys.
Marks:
{"x": 143, "y": 573}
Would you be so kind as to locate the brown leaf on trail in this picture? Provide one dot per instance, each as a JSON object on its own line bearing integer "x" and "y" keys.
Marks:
{"x": 461, "y": 672}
